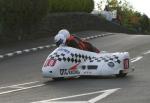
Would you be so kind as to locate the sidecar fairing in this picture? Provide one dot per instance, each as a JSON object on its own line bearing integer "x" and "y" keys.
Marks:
{"x": 71, "y": 62}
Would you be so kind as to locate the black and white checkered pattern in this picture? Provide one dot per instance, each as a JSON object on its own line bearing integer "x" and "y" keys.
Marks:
{"x": 72, "y": 57}
{"x": 113, "y": 58}
{"x": 77, "y": 58}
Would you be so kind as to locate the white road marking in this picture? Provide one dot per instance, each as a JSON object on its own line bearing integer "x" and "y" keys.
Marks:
{"x": 34, "y": 49}
{"x": 20, "y": 89}
{"x": 53, "y": 45}
{"x": 147, "y": 52}
{"x": 40, "y": 47}
{"x": 104, "y": 94}
{"x": 69, "y": 102}
{"x": 26, "y": 50}
{"x": 47, "y": 46}
{"x": 11, "y": 86}
{"x": 10, "y": 54}
{"x": 87, "y": 37}
{"x": 1, "y": 56}
{"x": 136, "y": 59}
{"x": 18, "y": 52}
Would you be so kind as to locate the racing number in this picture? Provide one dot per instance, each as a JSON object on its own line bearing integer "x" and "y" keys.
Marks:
{"x": 50, "y": 62}
{"x": 63, "y": 72}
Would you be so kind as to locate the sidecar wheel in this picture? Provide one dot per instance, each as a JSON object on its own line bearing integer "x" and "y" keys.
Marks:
{"x": 57, "y": 79}
{"x": 121, "y": 74}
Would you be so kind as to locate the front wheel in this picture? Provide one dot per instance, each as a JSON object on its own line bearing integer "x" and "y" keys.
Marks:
{"x": 121, "y": 74}
{"x": 59, "y": 78}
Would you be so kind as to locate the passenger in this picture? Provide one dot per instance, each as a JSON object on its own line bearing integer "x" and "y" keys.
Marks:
{"x": 65, "y": 38}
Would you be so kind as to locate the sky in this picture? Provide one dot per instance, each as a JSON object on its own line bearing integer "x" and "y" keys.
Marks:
{"x": 142, "y": 6}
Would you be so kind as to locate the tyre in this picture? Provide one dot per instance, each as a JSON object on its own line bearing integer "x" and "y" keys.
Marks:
{"x": 57, "y": 79}
{"x": 121, "y": 74}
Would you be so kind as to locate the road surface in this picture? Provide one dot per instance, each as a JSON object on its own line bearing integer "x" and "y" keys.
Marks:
{"x": 21, "y": 80}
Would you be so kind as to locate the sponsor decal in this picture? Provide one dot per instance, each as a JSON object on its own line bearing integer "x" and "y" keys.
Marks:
{"x": 64, "y": 50}
{"x": 68, "y": 72}
{"x": 74, "y": 68}
{"x": 92, "y": 67}
{"x": 50, "y": 62}
{"x": 87, "y": 73}
{"x": 83, "y": 67}
{"x": 111, "y": 64}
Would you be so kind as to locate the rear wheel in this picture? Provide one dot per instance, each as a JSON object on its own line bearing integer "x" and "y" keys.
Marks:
{"x": 59, "y": 78}
{"x": 121, "y": 74}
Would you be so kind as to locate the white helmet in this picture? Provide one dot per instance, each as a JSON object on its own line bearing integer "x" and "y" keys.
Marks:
{"x": 60, "y": 39}
{"x": 65, "y": 32}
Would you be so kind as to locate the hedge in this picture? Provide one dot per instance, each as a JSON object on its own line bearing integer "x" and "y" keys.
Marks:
{"x": 71, "y": 5}
{"x": 18, "y": 18}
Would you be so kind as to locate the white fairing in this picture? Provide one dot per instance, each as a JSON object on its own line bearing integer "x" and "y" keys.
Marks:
{"x": 70, "y": 62}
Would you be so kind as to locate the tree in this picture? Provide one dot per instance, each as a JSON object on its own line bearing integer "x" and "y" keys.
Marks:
{"x": 144, "y": 21}
{"x": 113, "y": 3}
{"x": 71, "y": 5}
{"x": 127, "y": 16}
{"x": 100, "y": 4}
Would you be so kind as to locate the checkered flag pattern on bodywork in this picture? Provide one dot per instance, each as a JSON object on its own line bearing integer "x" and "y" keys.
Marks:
{"x": 77, "y": 58}
{"x": 113, "y": 58}
{"x": 72, "y": 57}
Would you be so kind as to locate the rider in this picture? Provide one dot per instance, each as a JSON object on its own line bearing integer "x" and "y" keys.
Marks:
{"x": 65, "y": 38}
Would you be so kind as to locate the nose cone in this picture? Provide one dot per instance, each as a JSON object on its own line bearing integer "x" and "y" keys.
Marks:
{"x": 48, "y": 72}
{"x": 49, "y": 68}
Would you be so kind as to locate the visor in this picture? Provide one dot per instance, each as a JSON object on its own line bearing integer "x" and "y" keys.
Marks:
{"x": 59, "y": 42}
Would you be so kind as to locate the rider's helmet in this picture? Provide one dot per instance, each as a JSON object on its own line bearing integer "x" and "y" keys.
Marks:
{"x": 60, "y": 39}
{"x": 65, "y": 32}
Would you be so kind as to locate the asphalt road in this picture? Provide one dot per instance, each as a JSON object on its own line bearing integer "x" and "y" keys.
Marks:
{"x": 21, "y": 80}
